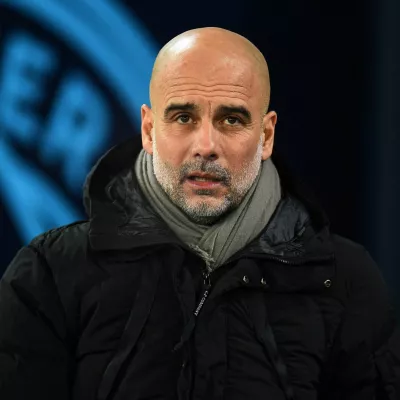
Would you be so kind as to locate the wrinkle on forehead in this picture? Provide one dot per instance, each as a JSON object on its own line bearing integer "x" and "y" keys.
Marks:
{"x": 217, "y": 95}
{"x": 190, "y": 80}
{"x": 206, "y": 90}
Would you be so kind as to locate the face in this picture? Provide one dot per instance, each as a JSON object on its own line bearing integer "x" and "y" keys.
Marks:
{"x": 208, "y": 133}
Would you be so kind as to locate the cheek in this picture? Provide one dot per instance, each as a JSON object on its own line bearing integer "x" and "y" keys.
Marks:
{"x": 170, "y": 149}
{"x": 241, "y": 156}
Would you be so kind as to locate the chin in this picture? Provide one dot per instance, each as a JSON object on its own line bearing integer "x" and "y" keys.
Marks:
{"x": 207, "y": 210}
{"x": 207, "y": 204}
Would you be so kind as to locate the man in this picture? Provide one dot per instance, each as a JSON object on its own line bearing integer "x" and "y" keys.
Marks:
{"x": 203, "y": 271}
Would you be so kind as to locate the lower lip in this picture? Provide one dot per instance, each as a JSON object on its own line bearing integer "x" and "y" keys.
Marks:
{"x": 203, "y": 184}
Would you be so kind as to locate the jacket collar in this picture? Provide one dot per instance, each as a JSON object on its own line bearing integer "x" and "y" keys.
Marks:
{"x": 121, "y": 218}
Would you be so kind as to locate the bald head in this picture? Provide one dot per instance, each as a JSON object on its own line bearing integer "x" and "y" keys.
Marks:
{"x": 209, "y": 50}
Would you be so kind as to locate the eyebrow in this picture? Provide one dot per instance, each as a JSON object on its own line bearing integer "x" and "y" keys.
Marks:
{"x": 221, "y": 110}
{"x": 180, "y": 107}
{"x": 243, "y": 111}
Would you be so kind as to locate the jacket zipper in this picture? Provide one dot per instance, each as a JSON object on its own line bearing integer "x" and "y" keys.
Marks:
{"x": 189, "y": 328}
{"x": 206, "y": 292}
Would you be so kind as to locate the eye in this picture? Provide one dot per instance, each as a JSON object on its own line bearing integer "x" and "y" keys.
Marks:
{"x": 183, "y": 119}
{"x": 232, "y": 121}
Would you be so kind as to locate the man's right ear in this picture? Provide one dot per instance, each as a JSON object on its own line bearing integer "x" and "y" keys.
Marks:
{"x": 147, "y": 128}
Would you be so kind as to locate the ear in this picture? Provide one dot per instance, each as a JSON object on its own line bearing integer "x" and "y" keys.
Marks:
{"x": 147, "y": 128}
{"x": 269, "y": 122}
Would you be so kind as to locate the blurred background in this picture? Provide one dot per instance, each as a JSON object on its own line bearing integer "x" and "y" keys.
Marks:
{"x": 73, "y": 74}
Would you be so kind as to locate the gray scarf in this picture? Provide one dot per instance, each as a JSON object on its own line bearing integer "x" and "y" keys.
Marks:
{"x": 218, "y": 242}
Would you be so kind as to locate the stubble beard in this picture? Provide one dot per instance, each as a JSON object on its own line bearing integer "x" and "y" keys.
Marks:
{"x": 171, "y": 180}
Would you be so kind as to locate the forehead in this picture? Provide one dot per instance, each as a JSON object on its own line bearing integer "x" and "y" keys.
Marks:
{"x": 198, "y": 80}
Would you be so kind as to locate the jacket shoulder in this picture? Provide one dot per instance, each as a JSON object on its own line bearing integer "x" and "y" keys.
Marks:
{"x": 358, "y": 276}
{"x": 62, "y": 239}
{"x": 366, "y": 292}
{"x": 353, "y": 258}
{"x": 347, "y": 247}
{"x": 63, "y": 254}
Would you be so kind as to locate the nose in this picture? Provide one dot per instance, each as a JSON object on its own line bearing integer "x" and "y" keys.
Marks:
{"x": 205, "y": 142}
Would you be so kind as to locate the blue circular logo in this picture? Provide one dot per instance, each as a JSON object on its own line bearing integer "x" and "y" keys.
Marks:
{"x": 61, "y": 106}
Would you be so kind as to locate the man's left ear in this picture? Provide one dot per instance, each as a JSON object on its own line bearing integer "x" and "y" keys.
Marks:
{"x": 269, "y": 122}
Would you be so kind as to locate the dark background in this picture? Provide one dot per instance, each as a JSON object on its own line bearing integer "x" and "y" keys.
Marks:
{"x": 335, "y": 84}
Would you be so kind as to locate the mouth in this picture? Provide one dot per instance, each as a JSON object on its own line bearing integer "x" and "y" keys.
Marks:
{"x": 205, "y": 181}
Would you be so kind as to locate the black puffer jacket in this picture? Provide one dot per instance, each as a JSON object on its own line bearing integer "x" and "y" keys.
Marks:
{"x": 105, "y": 309}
